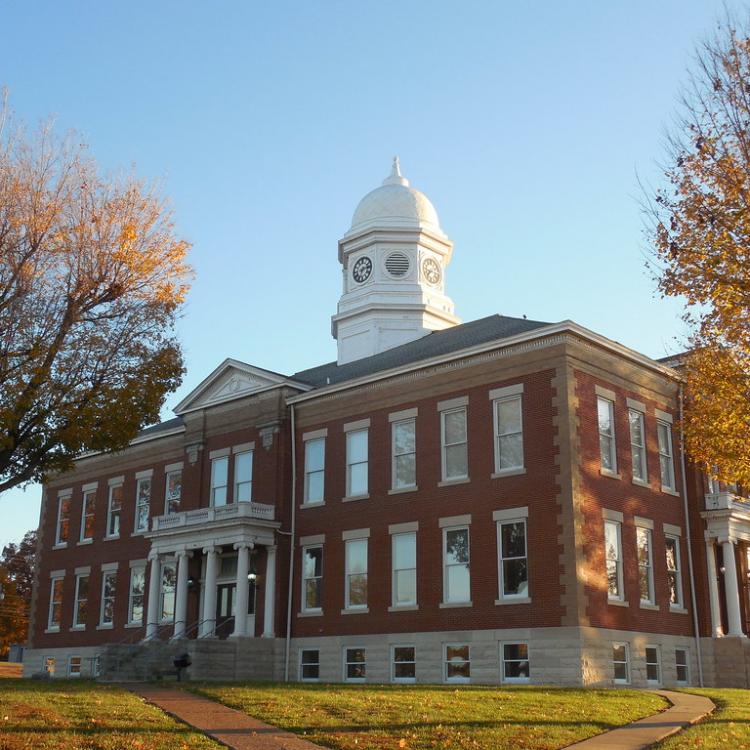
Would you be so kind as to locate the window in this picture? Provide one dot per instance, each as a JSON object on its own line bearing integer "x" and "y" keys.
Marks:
{"x": 309, "y": 665}
{"x": 508, "y": 434}
{"x": 114, "y": 510}
{"x": 63, "y": 520}
{"x": 315, "y": 457}
{"x": 456, "y": 576}
{"x": 404, "y": 564}
{"x": 607, "y": 451}
{"x": 87, "y": 516}
{"x": 513, "y": 573}
{"x": 638, "y": 445}
{"x": 219, "y": 474}
{"x": 653, "y": 667}
{"x": 107, "y": 613}
{"x": 136, "y": 595}
{"x": 666, "y": 462}
{"x": 613, "y": 551}
{"x": 356, "y": 463}
{"x": 312, "y": 578}
{"x": 404, "y": 454}
{"x": 49, "y": 665}
{"x": 74, "y": 666}
{"x": 682, "y": 666}
{"x": 403, "y": 664}
{"x": 173, "y": 491}
{"x": 142, "y": 503}
{"x": 54, "y": 618}
{"x": 454, "y": 441}
{"x": 515, "y": 657}
{"x": 81, "y": 601}
{"x": 243, "y": 477}
{"x": 355, "y": 665}
{"x": 621, "y": 663}
{"x": 356, "y": 573}
{"x": 167, "y": 594}
{"x": 645, "y": 564}
{"x": 457, "y": 663}
{"x": 674, "y": 576}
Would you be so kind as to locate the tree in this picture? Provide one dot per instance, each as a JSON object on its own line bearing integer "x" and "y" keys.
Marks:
{"x": 92, "y": 278}
{"x": 700, "y": 233}
{"x": 17, "y": 565}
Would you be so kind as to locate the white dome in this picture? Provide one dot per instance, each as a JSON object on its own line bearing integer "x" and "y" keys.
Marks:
{"x": 394, "y": 203}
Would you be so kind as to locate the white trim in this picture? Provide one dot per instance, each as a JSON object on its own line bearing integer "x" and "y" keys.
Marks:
{"x": 664, "y": 416}
{"x": 658, "y": 662}
{"x": 612, "y": 515}
{"x": 244, "y": 447}
{"x": 84, "y": 570}
{"x": 355, "y": 534}
{"x": 446, "y": 521}
{"x": 312, "y": 540}
{"x": 90, "y": 487}
{"x": 605, "y": 393}
{"x": 507, "y": 390}
{"x": 455, "y": 680}
{"x": 402, "y": 680}
{"x": 510, "y": 514}
{"x": 116, "y": 481}
{"x": 315, "y": 434}
{"x": 138, "y": 563}
{"x": 177, "y": 466}
{"x": 398, "y": 416}
{"x": 628, "y": 676}
{"x": 635, "y": 405}
{"x": 345, "y": 663}
{"x": 109, "y": 567}
{"x": 644, "y": 523}
{"x": 502, "y": 661}
{"x": 453, "y": 403}
{"x": 300, "y": 664}
{"x": 145, "y": 474}
{"x": 60, "y": 573}
{"x": 219, "y": 453}
{"x": 62, "y": 494}
{"x": 359, "y": 424}
{"x": 671, "y": 530}
{"x": 403, "y": 528}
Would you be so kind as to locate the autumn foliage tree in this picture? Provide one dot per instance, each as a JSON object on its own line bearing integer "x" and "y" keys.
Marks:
{"x": 701, "y": 238}
{"x": 17, "y": 565}
{"x": 92, "y": 277}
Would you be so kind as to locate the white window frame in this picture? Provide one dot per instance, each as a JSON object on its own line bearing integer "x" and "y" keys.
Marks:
{"x": 616, "y": 680}
{"x": 237, "y": 483}
{"x": 679, "y": 604}
{"x": 347, "y": 574}
{"x": 686, "y": 665}
{"x": 303, "y": 664}
{"x": 395, "y": 456}
{"x": 456, "y": 680}
{"x": 111, "y": 515}
{"x": 611, "y": 436}
{"x": 666, "y": 453}
{"x": 657, "y": 650}
{"x": 346, "y": 661}
{"x": 70, "y": 673}
{"x": 85, "y": 514}
{"x": 620, "y": 597}
{"x": 446, "y": 592}
{"x": 403, "y": 680}
{"x": 501, "y": 557}
{"x": 214, "y": 487}
{"x": 167, "y": 476}
{"x": 138, "y": 504}
{"x": 309, "y": 472}
{"x": 518, "y": 397}
{"x": 504, "y": 661}
{"x": 304, "y": 607}
{"x": 77, "y": 600}
{"x": 394, "y": 570}
{"x": 649, "y": 565}
{"x": 61, "y": 501}
{"x": 102, "y": 600}
{"x": 444, "y": 445}
{"x": 349, "y": 463}
{"x": 635, "y": 447}
{"x": 52, "y": 627}
{"x": 133, "y": 571}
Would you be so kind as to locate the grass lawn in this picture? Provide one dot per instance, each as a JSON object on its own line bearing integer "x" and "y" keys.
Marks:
{"x": 358, "y": 717}
{"x": 728, "y": 727}
{"x": 66, "y": 714}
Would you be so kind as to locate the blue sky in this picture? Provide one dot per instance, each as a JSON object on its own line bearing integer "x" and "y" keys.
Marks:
{"x": 526, "y": 124}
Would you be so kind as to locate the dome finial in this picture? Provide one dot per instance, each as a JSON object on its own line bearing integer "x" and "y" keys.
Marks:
{"x": 395, "y": 177}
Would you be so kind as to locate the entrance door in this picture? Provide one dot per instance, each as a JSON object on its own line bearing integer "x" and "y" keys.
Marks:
{"x": 225, "y": 601}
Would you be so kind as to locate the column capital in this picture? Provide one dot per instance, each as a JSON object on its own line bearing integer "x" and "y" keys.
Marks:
{"x": 183, "y": 553}
{"x": 244, "y": 545}
{"x": 153, "y": 555}
{"x": 271, "y": 548}
{"x": 211, "y": 549}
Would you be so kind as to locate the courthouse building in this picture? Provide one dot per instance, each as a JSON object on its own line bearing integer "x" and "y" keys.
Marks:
{"x": 498, "y": 501}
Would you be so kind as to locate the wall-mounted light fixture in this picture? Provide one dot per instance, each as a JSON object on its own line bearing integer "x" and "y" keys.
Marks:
{"x": 252, "y": 577}
{"x": 190, "y": 582}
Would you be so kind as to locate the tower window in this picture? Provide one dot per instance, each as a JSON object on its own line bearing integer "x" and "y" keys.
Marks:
{"x": 397, "y": 264}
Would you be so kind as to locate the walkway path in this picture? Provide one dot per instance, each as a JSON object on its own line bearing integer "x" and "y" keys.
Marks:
{"x": 686, "y": 710}
{"x": 241, "y": 732}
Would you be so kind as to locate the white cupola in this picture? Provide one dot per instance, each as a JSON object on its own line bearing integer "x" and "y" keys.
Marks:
{"x": 394, "y": 258}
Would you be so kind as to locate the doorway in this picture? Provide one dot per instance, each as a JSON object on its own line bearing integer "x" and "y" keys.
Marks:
{"x": 226, "y": 596}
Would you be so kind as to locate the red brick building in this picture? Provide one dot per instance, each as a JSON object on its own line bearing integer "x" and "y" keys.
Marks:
{"x": 496, "y": 501}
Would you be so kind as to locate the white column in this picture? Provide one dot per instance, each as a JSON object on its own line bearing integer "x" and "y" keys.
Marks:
{"x": 154, "y": 589}
{"x": 732, "y": 590}
{"x": 240, "y": 609}
{"x": 270, "y": 592}
{"x": 713, "y": 590}
{"x": 180, "y": 609}
{"x": 208, "y": 627}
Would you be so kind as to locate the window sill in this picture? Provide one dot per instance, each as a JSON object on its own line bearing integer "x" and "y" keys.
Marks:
{"x": 60, "y": 545}
{"x": 642, "y": 483}
{"x": 610, "y": 474}
{"x": 85, "y": 541}
{"x": 76, "y": 628}
{"x": 515, "y": 680}
{"x": 508, "y": 473}
{"x": 106, "y": 626}
{"x": 649, "y": 605}
{"x": 52, "y": 630}
{"x": 134, "y": 625}
{"x": 402, "y": 490}
{"x": 451, "y": 482}
{"x": 404, "y": 608}
{"x": 668, "y": 491}
{"x": 678, "y": 610}
{"x": 319, "y": 613}
{"x": 139, "y": 532}
{"x": 618, "y": 603}
{"x": 511, "y": 600}
{"x": 352, "y": 498}
{"x": 453, "y": 605}
{"x": 112, "y": 538}
{"x": 312, "y": 505}
{"x": 362, "y": 611}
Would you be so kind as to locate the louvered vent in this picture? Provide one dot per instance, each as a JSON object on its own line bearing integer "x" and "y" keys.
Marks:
{"x": 397, "y": 264}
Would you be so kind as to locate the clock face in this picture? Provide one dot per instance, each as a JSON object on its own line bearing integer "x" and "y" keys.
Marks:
{"x": 362, "y": 269}
{"x": 431, "y": 271}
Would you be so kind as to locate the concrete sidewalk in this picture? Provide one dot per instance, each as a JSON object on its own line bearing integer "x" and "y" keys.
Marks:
{"x": 232, "y": 728}
{"x": 686, "y": 710}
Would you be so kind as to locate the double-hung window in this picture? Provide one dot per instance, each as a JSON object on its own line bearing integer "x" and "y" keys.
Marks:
{"x": 638, "y": 445}
{"x": 513, "y": 572}
{"x": 54, "y": 619}
{"x": 88, "y": 509}
{"x": 456, "y": 574}
{"x": 674, "y": 573}
{"x": 621, "y": 663}
{"x": 666, "y": 458}
{"x": 136, "y": 594}
{"x": 142, "y": 502}
{"x": 107, "y": 608}
{"x": 62, "y": 531}
{"x": 607, "y": 447}
{"x": 309, "y": 665}
{"x": 312, "y": 578}
{"x": 613, "y": 555}
{"x": 356, "y": 463}
{"x": 114, "y": 509}
{"x": 403, "y": 454}
{"x": 173, "y": 491}
{"x": 457, "y": 664}
{"x": 653, "y": 665}
{"x": 219, "y": 480}
{"x": 80, "y": 607}
{"x": 355, "y": 664}
{"x": 356, "y": 573}
{"x": 508, "y": 429}
{"x": 515, "y": 660}
{"x": 315, "y": 458}
{"x": 167, "y": 593}
{"x": 454, "y": 444}
{"x": 403, "y": 664}
{"x": 645, "y": 553}
{"x": 404, "y": 564}
{"x": 682, "y": 666}
{"x": 243, "y": 477}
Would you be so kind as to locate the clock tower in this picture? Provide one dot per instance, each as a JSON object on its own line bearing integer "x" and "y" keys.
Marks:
{"x": 394, "y": 258}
